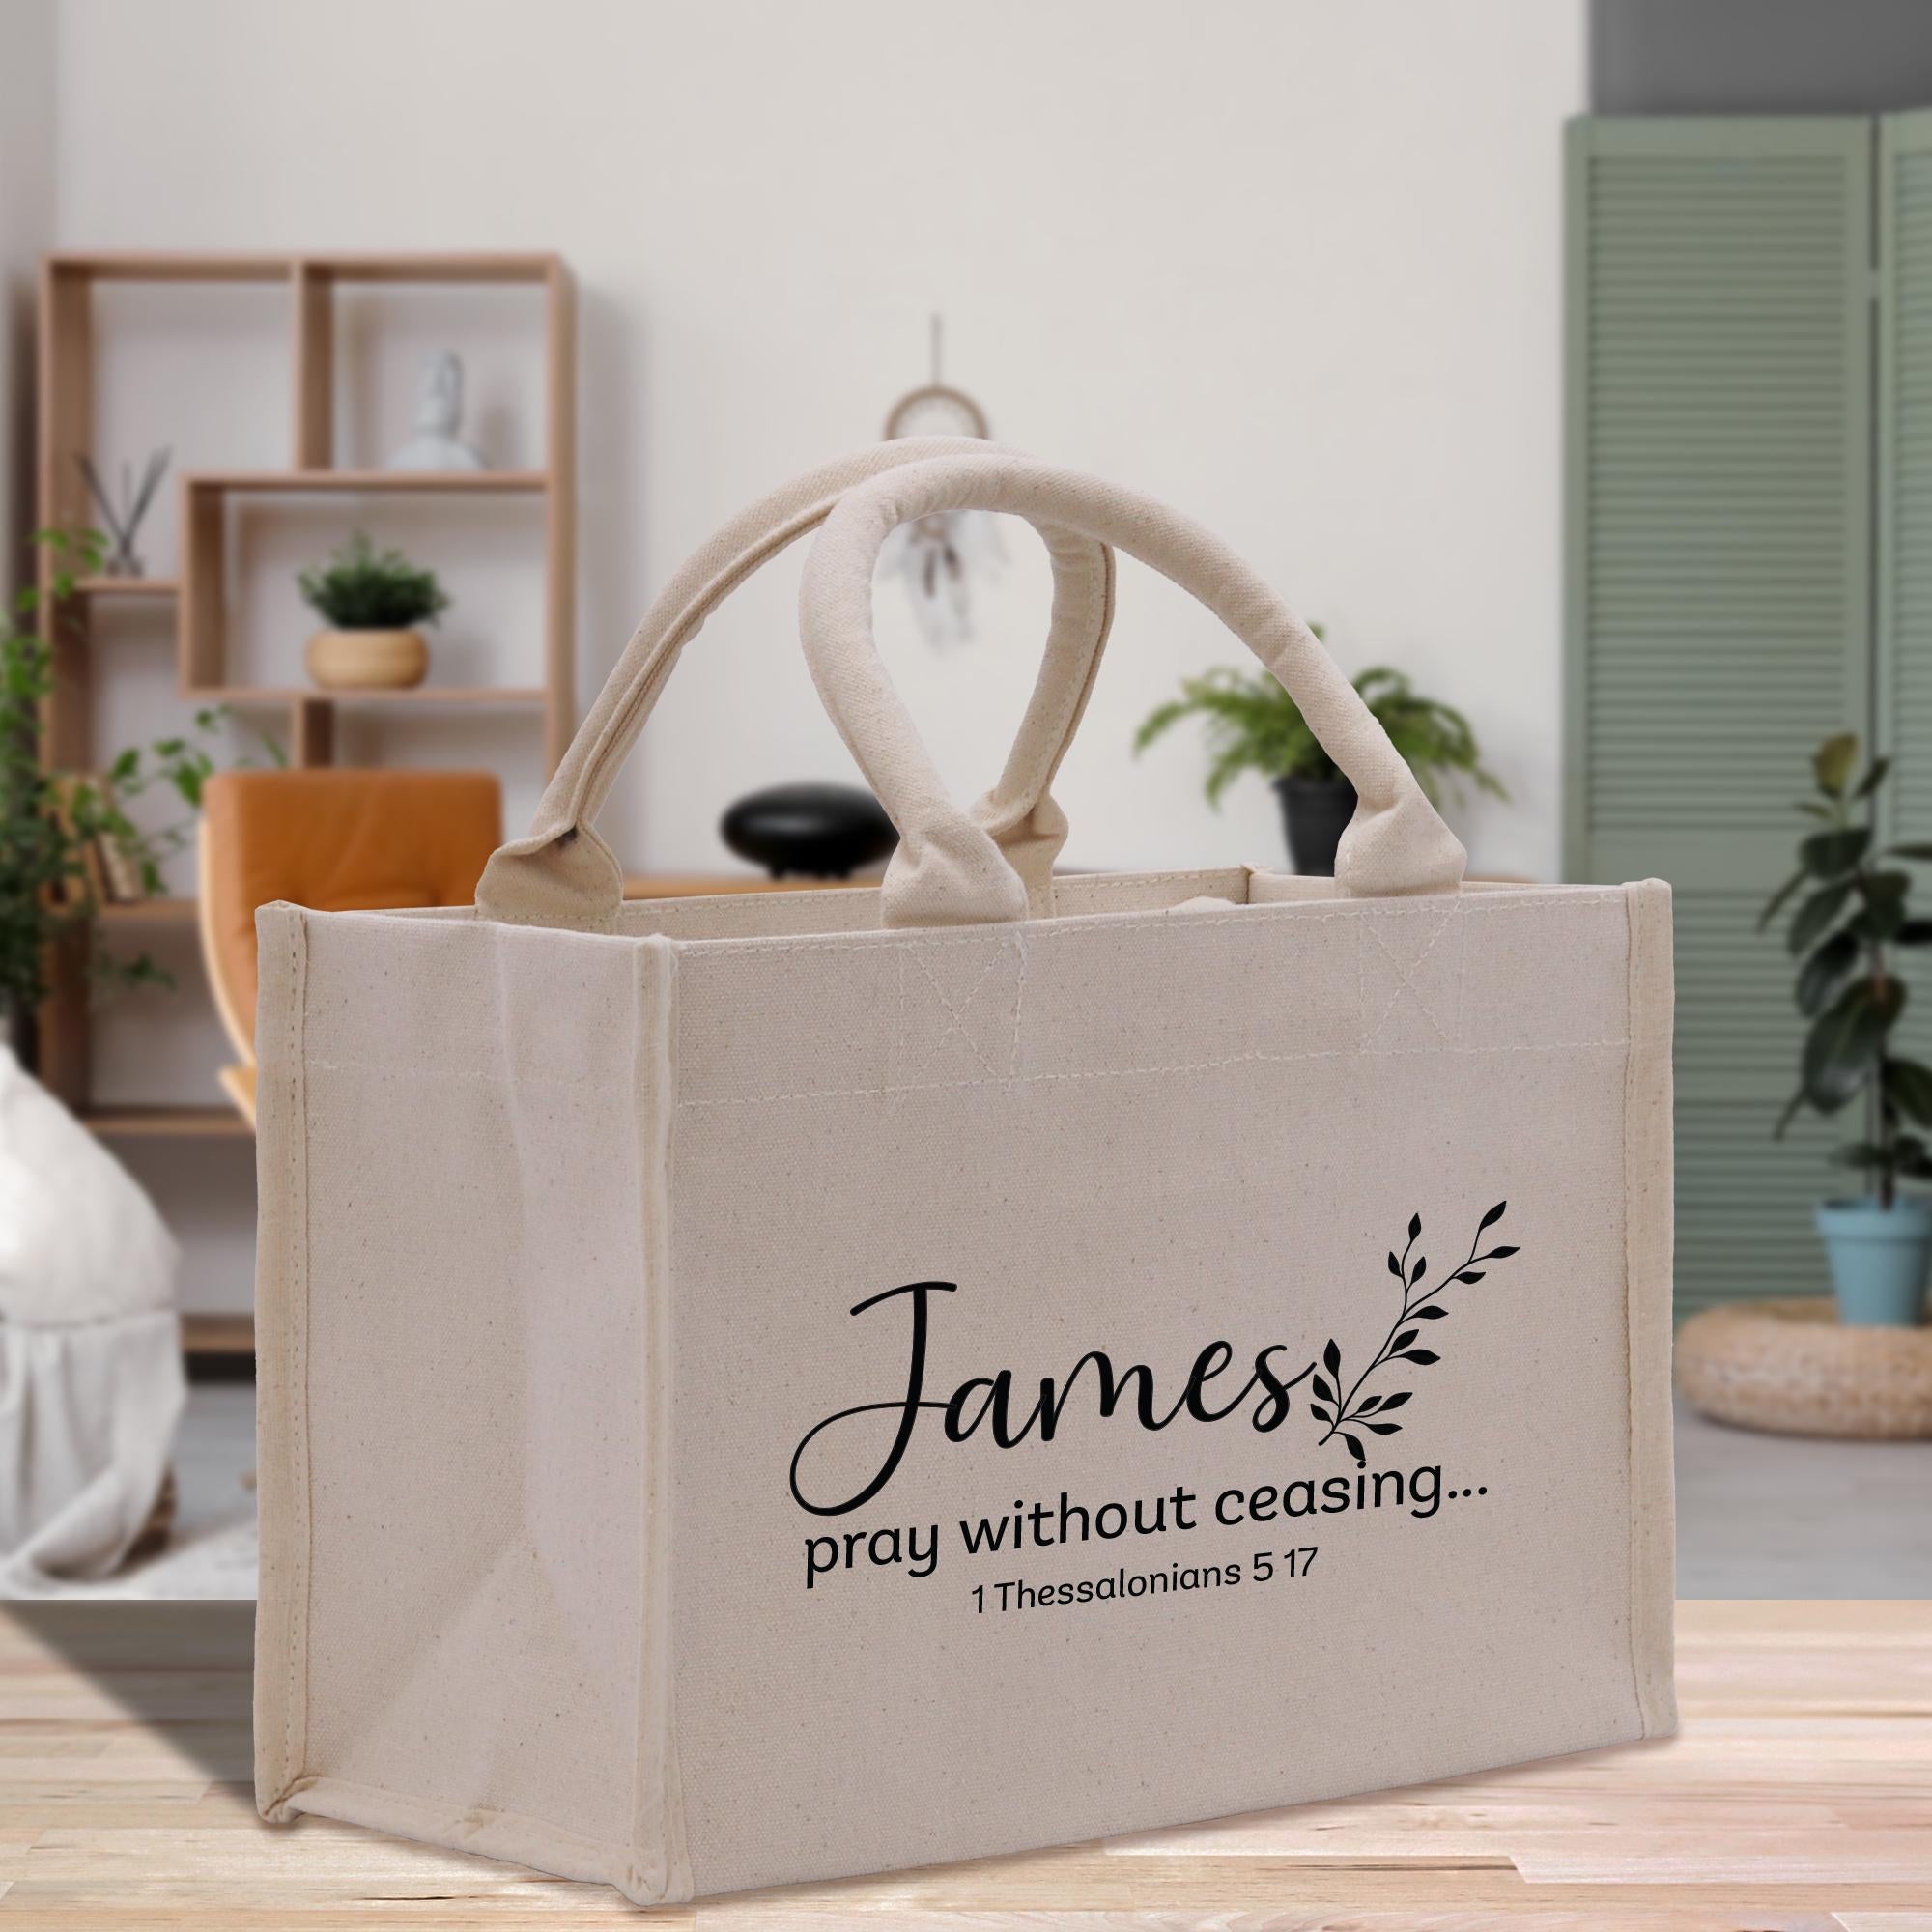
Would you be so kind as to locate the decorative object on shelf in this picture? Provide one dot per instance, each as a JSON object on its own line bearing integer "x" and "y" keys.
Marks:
{"x": 1254, "y": 726}
{"x": 1879, "y": 1246}
{"x": 127, "y": 872}
{"x": 115, "y": 871}
{"x": 815, "y": 831}
{"x": 373, "y": 600}
{"x": 90, "y": 1346}
{"x": 56, "y": 826}
{"x": 123, "y": 513}
{"x": 69, "y": 798}
{"x": 935, "y": 556}
{"x": 1793, "y": 1367}
{"x": 435, "y": 443}
{"x": 371, "y": 660}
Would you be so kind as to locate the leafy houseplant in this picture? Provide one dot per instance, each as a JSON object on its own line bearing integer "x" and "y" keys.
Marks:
{"x": 370, "y": 601}
{"x": 1843, "y": 932}
{"x": 52, "y": 826}
{"x": 1254, "y": 726}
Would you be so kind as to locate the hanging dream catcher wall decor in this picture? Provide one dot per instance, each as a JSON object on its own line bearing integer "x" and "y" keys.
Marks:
{"x": 938, "y": 556}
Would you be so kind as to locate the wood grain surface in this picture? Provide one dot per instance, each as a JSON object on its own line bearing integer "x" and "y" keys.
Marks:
{"x": 1798, "y": 1798}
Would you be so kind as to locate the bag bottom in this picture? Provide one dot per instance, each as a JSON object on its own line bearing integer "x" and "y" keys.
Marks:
{"x": 518, "y": 1839}
{"x": 512, "y": 1836}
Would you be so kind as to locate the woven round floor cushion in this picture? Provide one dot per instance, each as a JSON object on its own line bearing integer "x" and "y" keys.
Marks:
{"x": 1789, "y": 1365}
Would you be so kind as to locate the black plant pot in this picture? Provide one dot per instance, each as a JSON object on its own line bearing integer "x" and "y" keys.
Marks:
{"x": 1316, "y": 812}
{"x": 822, "y": 831}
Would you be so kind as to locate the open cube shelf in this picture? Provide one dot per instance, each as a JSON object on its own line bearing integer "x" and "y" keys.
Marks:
{"x": 68, "y": 384}
{"x": 206, "y": 670}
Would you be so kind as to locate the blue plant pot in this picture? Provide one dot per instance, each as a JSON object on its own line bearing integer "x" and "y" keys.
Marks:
{"x": 1879, "y": 1257}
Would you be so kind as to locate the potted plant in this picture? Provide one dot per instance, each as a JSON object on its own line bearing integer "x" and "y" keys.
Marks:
{"x": 371, "y": 602}
{"x": 55, "y": 826}
{"x": 59, "y": 830}
{"x": 1253, "y": 724}
{"x": 1842, "y": 931}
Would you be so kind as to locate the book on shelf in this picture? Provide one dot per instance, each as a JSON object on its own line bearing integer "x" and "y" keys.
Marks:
{"x": 110, "y": 873}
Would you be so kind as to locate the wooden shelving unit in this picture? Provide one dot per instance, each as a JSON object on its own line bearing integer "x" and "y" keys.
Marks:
{"x": 66, "y": 388}
{"x": 149, "y": 912}
{"x": 126, "y": 587}
{"x": 202, "y": 1124}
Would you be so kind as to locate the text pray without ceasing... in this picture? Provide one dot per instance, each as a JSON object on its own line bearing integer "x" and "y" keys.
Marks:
{"x": 987, "y": 1402}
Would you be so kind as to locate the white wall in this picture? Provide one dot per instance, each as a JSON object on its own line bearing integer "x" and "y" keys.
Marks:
{"x": 26, "y": 227}
{"x": 1293, "y": 265}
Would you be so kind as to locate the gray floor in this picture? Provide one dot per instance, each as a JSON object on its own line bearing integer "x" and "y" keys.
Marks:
{"x": 1757, "y": 1516}
{"x": 214, "y": 1457}
{"x": 1788, "y": 1515}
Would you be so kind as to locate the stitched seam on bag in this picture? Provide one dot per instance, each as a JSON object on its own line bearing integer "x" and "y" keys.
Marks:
{"x": 1634, "y": 943}
{"x": 625, "y": 922}
{"x": 294, "y": 1406}
{"x": 677, "y": 1835}
{"x": 1177, "y": 1066}
{"x": 895, "y": 1054}
{"x": 669, "y": 1866}
{"x": 956, "y": 1023}
{"x": 1128, "y": 882}
{"x": 388, "y": 1069}
{"x": 1019, "y": 1002}
{"x": 1406, "y": 984}
{"x": 1516, "y": 900}
{"x": 1156, "y": 918}
{"x": 1463, "y": 988}
{"x": 644, "y": 1066}
{"x": 1361, "y": 991}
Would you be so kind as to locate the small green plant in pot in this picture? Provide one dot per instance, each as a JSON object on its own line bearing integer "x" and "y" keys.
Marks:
{"x": 1254, "y": 726}
{"x": 371, "y": 602}
{"x": 53, "y": 825}
{"x": 1844, "y": 930}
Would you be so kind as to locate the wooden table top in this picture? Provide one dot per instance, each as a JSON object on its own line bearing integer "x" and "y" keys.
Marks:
{"x": 1797, "y": 1799}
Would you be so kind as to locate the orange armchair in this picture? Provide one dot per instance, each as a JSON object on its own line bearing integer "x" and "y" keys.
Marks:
{"x": 335, "y": 840}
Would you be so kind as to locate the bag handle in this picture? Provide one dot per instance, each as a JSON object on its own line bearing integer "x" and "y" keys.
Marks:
{"x": 946, "y": 869}
{"x": 562, "y": 873}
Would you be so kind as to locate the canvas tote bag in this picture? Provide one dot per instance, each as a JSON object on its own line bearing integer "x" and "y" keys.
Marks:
{"x": 769, "y": 1387}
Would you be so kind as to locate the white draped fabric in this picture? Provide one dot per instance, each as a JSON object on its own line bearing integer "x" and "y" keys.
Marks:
{"x": 91, "y": 1380}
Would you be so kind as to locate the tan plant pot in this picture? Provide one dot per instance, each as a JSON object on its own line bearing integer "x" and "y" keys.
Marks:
{"x": 364, "y": 660}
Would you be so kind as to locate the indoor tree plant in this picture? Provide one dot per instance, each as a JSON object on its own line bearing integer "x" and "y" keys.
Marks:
{"x": 52, "y": 825}
{"x": 372, "y": 602}
{"x": 1844, "y": 931}
{"x": 1254, "y": 726}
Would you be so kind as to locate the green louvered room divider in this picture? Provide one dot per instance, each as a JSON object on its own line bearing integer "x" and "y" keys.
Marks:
{"x": 1904, "y": 440}
{"x": 1749, "y": 567}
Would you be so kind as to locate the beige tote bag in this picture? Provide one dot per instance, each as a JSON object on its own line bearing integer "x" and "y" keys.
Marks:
{"x": 796, "y": 1384}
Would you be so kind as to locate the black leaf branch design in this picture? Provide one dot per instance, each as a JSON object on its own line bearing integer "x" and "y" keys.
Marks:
{"x": 1347, "y": 1414}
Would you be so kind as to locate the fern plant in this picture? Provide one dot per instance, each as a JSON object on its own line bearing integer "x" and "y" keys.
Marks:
{"x": 1254, "y": 726}
{"x": 361, "y": 588}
